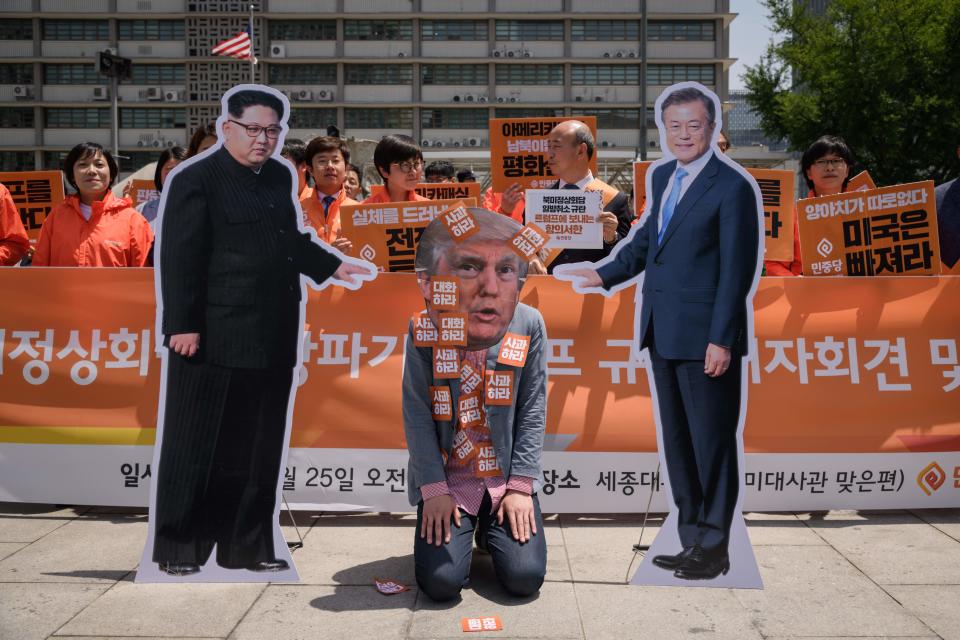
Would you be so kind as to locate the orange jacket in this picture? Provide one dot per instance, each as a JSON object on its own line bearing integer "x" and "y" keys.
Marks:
{"x": 328, "y": 228}
{"x": 14, "y": 242}
{"x": 115, "y": 236}
{"x": 383, "y": 197}
{"x": 492, "y": 199}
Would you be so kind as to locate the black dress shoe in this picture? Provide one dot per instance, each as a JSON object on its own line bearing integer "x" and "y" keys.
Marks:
{"x": 703, "y": 565}
{"x": 179, "y": 568}
{"x": 269, "y": 565}
{"x": 670, "y": 563}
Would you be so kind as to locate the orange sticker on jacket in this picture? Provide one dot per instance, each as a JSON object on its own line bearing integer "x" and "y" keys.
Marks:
{"x": 487, "y": 464}
{"x": 459, "y": 222}
{"x": 499, "y": 387}
{"x": 424, "y": 331}
{"x": 528, "y": 241}
{"x": 453, "y": 329}
{"x": 446, "y": 363}
{"x": 470, "y": 379}
{"x": 486, "y": 623}
{"x": 463, "y": 448}
{"x": 513, "y": 350}
{"x": 470, "y": 411}
{"x": 445, "y": 293}
{"x": 441, "y": 403}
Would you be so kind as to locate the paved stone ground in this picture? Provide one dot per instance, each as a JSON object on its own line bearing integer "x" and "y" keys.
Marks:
{"x": 68, "y": 573}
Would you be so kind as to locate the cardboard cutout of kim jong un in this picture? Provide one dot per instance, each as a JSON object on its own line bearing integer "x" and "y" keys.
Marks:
{"x": 474, "y": 408}
{"x": 231, "y": 298}
{"x": 695, "y": 258}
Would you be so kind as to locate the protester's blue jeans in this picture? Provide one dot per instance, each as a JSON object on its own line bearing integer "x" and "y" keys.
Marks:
{"x": 443, "y": 571}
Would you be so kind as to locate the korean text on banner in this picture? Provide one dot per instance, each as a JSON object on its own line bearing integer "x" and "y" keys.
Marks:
{"x": 518, "y": 151}
{"x": 441, "y": 190}
{"x": 35, "y": 193}
{"x": 142, "y": 191}
{"x": 571, "y": 218}
{"x": 777, "y": 189}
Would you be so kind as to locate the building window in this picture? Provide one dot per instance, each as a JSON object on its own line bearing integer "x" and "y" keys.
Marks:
{"x": 529, "y": 30}
{"x": 75, "y": 30}
{"x": 159, "y": 74}
{"x": 378, "y": 74}
{"x": 686, "y": 30}
{"x": 16, "y": 118}
{"x": 302, "y": 73}
{"x": 150, "y": 30}
{"x": 455, "y": 74}
{"x": 53, "y": 160}
{"x": 550, "y": 74}
{"x": 16, "y": 29}
{"x": 16, "y": 161}
{"x": 529, "y": 112}
{"x": 377, "y": 30}
{"x": 667, "y": 74}
{"x": 84, "y": 73}
{"x": 162, "y": 118}
{"x": 378, "y": 118}
{"x": 604, "y": 74}
{"x": 83, "y": 118}
{"x": 303, "y": 29}
{"x": 613, "y": 118}
{"x": 312, "y": 118}
{"x": 603, "y": 30}
{"x": 16, "y": 74}
{"x": 454, "y": 30}
{"x": 454, "y": 118}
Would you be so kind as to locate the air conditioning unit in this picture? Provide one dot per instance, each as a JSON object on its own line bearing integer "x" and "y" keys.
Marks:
{"x": 619, "y": 54}
{"x": 469, "y": 97}
{"x": 606, "y": 54}
{"x": 171, "y": 144}
{"x": 473, "y": 142}
{"x": 172, "y": 96}
{"x": 22, "y": 91}
{"x": 154, "y": 93}
{"x": 654, "y": 144}
{"x": 278, "y": 51}
{"x": 632, "y": 54}
{"x": 101, "y": 93}
{"x": 158, "y": 143}
{"x": 145, "y": 140}
{"x": 604, "y": 144}
{"x": 325, "y": 95}
{"x": 526, "y": 53}
{"x": 578, "y": 98}
{"x": 511, "y": 54}
{"x": 457, "y": 143}
{"x": 438, "y": 143}
{"x": 482, "y": 99}
{"x": 457, "y": 98}
{"x": 514, "y": 99}
{"x": 304, "y": 95}
{"x": 501, "y": 99}
{"x": 401, "y": 55}
{"x": 598, "y": 98}
{"x": 498, "y": 54}
{"x": 425, "y": 143}
{"x": 111, "y": 50}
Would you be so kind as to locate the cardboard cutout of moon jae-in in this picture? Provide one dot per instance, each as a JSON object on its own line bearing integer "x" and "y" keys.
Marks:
{"x": 695, "y": 258}
{"x": 232, "y": 222}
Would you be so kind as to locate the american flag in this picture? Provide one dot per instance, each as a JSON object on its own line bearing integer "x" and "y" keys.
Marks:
{"x": 239, "y": 46}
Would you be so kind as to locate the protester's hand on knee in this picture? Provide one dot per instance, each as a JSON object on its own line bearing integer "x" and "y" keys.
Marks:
{"x": 437, "y": 512}
{"x": 518, "y": 509}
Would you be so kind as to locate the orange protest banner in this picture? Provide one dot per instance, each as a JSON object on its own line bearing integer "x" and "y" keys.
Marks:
{"x": 441, "y": 190}
{"x": 386, "y": 234}
{"x": 35, "y": 193}
{"x": 841, "y": 365}
{"x": 776, "y": 189}
{"x": 881, "y": 232}
{"x": 142, "y": 191}
{"x": 518, "y": 151}
{"x": 861, "y": 182}
{"x": 640, "y": 187}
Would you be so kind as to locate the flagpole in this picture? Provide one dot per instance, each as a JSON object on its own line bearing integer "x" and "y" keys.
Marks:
{"x": 253, "y": 57}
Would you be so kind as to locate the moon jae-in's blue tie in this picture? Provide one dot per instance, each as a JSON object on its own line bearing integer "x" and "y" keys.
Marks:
{"x": 671, "y": 202}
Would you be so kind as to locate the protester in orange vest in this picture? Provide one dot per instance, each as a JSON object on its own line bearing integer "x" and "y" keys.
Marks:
{"x": 399, "y": 161}
{"x": 327, "y": 159}
{"x": 93, "y": 228}
{"x": 826, "y": 167}
{"x": 14, "y": 242}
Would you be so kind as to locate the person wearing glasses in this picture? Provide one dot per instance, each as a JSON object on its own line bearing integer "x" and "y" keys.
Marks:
{"x": 399, "y": 161}
{"x": 231, "y": 253}
{"x": 826, "y": 167}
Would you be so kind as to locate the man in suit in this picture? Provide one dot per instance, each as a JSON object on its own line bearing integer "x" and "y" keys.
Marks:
{"x": 231, "y": 254}
{"x": 699, "y": 249}
{"x": 475, "y": 437}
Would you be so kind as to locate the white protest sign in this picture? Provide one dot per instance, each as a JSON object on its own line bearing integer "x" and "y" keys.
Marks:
{"x": 570, "y": 217}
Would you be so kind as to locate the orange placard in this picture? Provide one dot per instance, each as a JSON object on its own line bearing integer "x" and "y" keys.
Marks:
{"x": 442, "y": 190}
{"x": 424, "y": 332}
{"x": 486, "y": 623}
{"x": 513, "y": 350}
{"x": 142, "y": 191}
{"x": 499, "y": 388}
{"x": 441, "y": 403}
{"x": 445, "y": 293}
{"x": 470, "y": 379}
{"x": 487, "y": 464}
{"x": 452, "y": 329}
{"x": 518, "y": 151}
{"x": 861, "y": 182}
{"x": 776, "y": 189}
{"x": 386, "y": 234}
{"x": 882, "y": 232}
{"x": 463, "y": 448}
{"x": 470, "y": 411}
{"x": 35, "y": 193}
{"x": 459, "y": 222}
{"x": 640, "y": 187}
{"x": 528, "y": 241}
{"x": 446, "y": 363}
